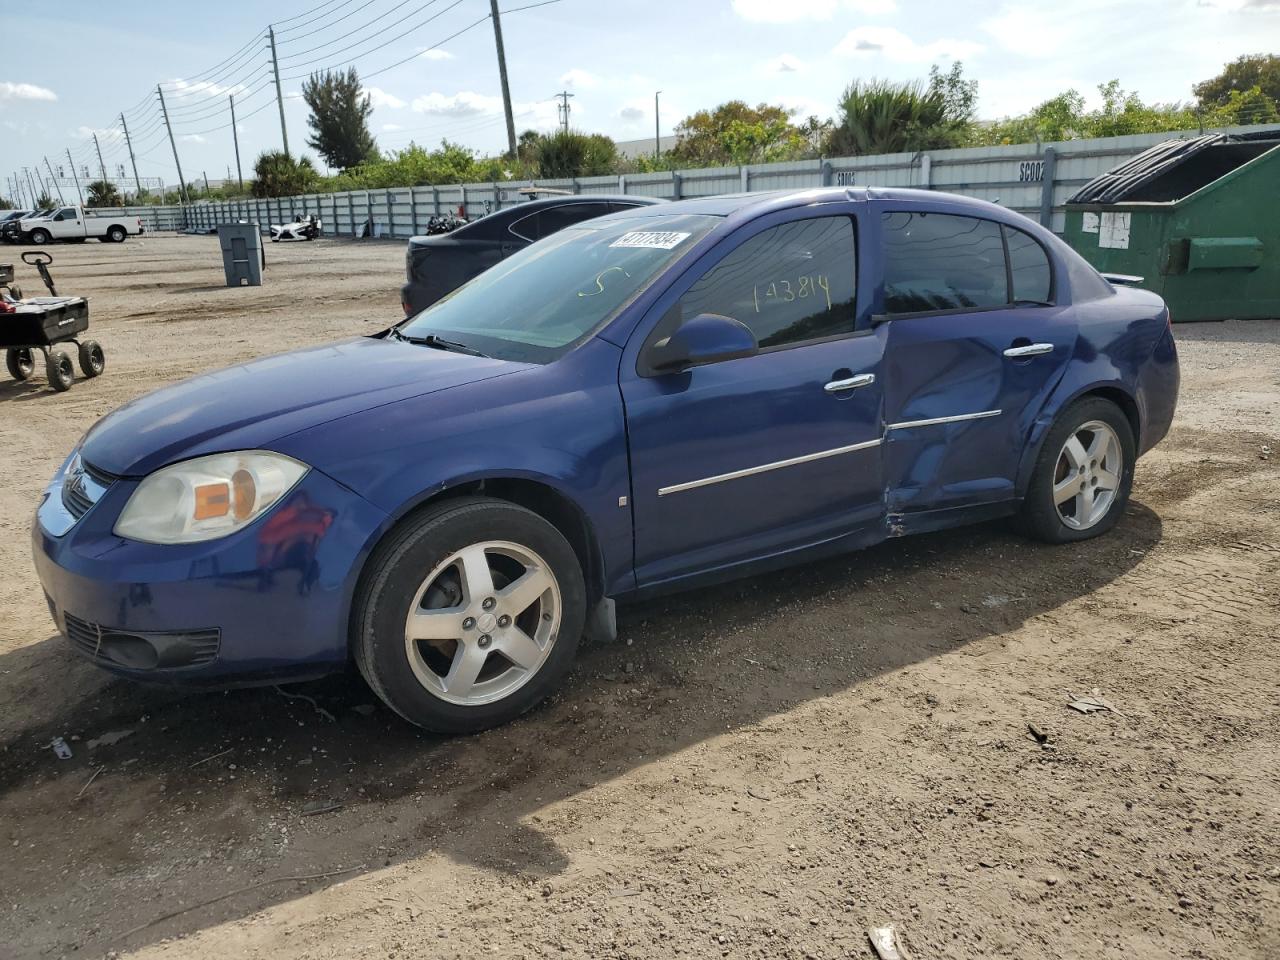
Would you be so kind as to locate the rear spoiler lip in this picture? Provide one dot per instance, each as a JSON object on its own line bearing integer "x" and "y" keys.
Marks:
{"x": 1123, "y": 279}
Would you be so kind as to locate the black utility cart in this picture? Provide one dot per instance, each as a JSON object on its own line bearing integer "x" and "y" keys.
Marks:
{"x": 44, "y": 324}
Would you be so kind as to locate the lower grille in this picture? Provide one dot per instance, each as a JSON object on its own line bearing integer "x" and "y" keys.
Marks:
{"x": 142, "y": 651}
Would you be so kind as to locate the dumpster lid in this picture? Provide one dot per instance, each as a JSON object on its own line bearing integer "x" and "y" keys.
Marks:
{"x": 1176, "y": 168}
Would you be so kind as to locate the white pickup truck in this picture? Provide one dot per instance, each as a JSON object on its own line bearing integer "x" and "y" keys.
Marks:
{"x": 70, "y": 223}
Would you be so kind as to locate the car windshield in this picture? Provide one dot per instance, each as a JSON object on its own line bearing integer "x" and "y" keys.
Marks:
{"x": 541, "y": 302}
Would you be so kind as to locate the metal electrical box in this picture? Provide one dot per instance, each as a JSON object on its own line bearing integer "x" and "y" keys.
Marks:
{"x": 1197, "y": 219}
{"x": 241, "y": 253}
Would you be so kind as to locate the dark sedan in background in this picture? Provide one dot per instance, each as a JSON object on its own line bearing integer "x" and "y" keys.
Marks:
{"x": 439, "y": 264}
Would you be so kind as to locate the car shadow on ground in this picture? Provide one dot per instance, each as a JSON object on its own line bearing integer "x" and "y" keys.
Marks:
{"x": 184, "y": 772}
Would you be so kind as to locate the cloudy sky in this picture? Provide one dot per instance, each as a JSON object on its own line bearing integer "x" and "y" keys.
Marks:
{"x": 431, "y": 68}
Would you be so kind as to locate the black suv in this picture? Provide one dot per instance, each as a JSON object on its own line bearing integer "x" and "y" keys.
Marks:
{"x": 439, "y": 264}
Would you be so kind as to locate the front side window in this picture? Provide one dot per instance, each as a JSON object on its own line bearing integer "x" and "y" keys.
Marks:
{"x": 543, "y": 300}
{"x": 790, "y": 284}
{"x": 937, "y": 261}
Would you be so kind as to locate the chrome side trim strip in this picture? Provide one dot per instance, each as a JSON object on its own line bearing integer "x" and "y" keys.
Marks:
{"x": 766, "y": 467}
{"x": 907, "y": 424}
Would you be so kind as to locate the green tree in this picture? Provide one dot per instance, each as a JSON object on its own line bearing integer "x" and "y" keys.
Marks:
{"x": 880, "y": 116}
{"x": 44, "y": 201}
{"x": 574, "y": 154}
{"x": 339, "y": 118}
{"x": 1243, "y": 107}
{"x": 102, "y": 193}
{"x": 275, "y": 174}
{"x": 736, "y": 133}
{"x": 1260, "y": 70}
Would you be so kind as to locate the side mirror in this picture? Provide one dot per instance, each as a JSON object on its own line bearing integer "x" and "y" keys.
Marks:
{"x": 707, "y": 338}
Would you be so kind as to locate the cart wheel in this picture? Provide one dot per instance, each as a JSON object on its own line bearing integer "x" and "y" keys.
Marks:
{"x": 15, "y": 292}
{"x": 20, "y": 362}
{"x": 59, "y": 370}
{"x": 92, "y": 360}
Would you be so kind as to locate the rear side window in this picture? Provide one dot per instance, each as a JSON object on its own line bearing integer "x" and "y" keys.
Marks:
{"x": 937, "y": 261}
{"x": 790, "y": 284}
{"x": 1028, "y": 268}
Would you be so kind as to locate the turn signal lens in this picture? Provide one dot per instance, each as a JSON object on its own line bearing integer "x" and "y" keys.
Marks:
{"x": 212, "y": 500}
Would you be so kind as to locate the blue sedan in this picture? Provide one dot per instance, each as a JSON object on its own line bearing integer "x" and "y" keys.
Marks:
{"x": 641, "y": 403}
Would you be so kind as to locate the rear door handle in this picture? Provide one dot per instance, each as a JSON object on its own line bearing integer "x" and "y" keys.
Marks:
{"x": 850, "y": 383}
{"x": 1029, "y": 350}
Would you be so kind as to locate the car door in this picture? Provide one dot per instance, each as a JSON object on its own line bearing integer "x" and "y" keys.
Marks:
{"x": 66, "y": 224}
{"x": 975, "y": 344}
{"x": 755, "y": 456}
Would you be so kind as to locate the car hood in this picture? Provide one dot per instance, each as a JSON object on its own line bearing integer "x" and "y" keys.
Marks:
{"x": 246, "y": 407}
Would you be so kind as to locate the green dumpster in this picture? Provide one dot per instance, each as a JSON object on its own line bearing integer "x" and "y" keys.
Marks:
{"x": 1197, "y": 219}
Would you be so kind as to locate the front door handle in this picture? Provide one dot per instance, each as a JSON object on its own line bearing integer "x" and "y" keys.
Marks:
{"x": 850, "y": 383}
{"x": 1029, "y": 350}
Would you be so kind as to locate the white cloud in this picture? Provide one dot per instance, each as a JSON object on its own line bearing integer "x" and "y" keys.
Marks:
{"x": 802, "y": 108}
{"x": 104, "y": 135}
{"x": 460, "y": 105}
{"x": 380, "y": 98}
{"x": 193, "y": 138}
{"x": 896, "y": 45}
{"x": 203, "y": 88}
{"x": 631, "y": 114}
{"x": 391, "y": 127}
{"x": 785, "y": 63}
{"x": 790, "y": 11}
{"x": 579, "y": 78}
{"x": 435, "y": 54}
{"x": 25, "y": 91}
{"x": 1234, "y": 6}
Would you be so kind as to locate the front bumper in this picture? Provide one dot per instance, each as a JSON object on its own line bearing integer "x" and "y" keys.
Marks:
{"x": 267, "y": 603}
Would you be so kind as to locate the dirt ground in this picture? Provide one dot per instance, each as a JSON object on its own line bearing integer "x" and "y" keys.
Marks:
{"x": 765, "y": 769}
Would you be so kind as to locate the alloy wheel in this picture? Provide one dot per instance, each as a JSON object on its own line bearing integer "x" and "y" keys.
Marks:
{"x": 483, "y": 622}
{"x": 1086, "y": 477}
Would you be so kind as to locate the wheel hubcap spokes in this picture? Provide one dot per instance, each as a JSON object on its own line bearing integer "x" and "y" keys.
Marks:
{"x": 482, "y": 623}
{"x": 1086, "y": 478}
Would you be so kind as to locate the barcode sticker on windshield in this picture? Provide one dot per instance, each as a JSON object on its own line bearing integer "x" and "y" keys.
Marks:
{"x": 652, "y": 239}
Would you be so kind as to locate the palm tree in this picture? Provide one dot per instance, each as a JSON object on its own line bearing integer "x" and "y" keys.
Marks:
{"x": 103, "y": 193}
{"x": 879, "y": 116}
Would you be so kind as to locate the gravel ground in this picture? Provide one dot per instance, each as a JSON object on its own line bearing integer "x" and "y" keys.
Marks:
{"x": 765, "y": 769}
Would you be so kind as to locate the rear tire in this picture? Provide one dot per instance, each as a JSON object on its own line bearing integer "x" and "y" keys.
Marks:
{"x": 469, "y": 614}
{"x": 92, "y": 360}
{"x": 1080, "y": 484}
{"x": 116, "y": 234}
{"x": 60, "y": 372}
{"x": 21, "y": 363}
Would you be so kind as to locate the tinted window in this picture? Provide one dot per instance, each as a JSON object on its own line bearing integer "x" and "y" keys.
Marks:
{"x": 67, "y": 214}
{"x": 1028, "y": 267}
{"x": 554, "y": 219}
{"x": 935, "y": 261}
{"x": 789, "y": 284}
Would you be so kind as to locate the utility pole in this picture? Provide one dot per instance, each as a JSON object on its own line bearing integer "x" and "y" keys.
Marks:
{"x": 502, "y": 75}
{"x": 657, "y": 129}
{"x": 53, "y": 179}
{"x": 34, "y": 196}
{"x": 206, "y": 182}
{"x": 563, "y": 109}
{"x": 72, "y": 164}
{"x": 235, "y": 138}
{"x": 101, "y": 166}
{"x": 182, "y": 181}
{"x": 134, "y": 163}
{"x": 44, "y": 191}
{"x": 275, "y": 66}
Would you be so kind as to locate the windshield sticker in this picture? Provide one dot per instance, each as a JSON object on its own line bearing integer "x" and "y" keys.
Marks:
{"x": 651, "y": 239}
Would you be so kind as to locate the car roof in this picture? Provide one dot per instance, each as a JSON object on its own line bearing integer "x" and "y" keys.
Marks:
{"x": 495, "y": 223}
{"x": 755, "y": 204}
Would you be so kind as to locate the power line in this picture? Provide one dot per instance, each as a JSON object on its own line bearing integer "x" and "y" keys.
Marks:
{"x": 235, "y": 56}
{"x": 346, "y": 38}
{"x": 341, "y": 4}
{"x": 326, "y": 26}
{"x": 385, "y": 43}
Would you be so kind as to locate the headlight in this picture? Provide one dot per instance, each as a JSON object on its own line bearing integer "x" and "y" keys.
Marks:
{"x": 208, "y": 497}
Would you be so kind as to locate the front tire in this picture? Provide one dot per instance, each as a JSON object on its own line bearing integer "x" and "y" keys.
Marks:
{"x": 469, "y": 614}
{"x": 1082, "y": 477}
{"x": 39, "y": 237}
{"x": 60, "y": 372}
